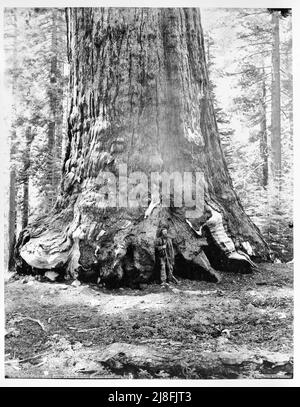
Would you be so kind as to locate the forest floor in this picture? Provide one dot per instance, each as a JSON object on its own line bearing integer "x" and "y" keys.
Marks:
{"x": 239, "y": 328}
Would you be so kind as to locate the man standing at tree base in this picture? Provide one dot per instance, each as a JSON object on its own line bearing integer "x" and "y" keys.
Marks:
{"x": 166, "y": 257}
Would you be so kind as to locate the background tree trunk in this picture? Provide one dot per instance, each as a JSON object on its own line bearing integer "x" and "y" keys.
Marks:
{"x": 26, "y": 177}
{"x": 140, "y": 95}
{"x": 12, "y": 211}
{"x": 276, "y": 103}
{"x": 12, "y": 219}
{"x": 263, "y": 135}
{"x": 53, "y": 102}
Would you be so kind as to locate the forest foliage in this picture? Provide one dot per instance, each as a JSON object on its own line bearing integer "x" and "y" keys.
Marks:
{"x": 36, "y": 72}
{"x": 239, "y": 53}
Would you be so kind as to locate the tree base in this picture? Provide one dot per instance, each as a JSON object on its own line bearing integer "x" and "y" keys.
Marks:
{"x": 119, "y": 251}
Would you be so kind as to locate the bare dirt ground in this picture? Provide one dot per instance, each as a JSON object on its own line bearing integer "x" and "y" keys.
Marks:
{"x": 239, "y": 328}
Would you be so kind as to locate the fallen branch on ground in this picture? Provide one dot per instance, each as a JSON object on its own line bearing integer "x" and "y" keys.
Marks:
{"x": 27, "y": 359}
{"x": 87, "y": 330}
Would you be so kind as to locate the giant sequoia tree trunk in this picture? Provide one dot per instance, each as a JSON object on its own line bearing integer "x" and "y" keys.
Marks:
{"x": 140, "y": 96}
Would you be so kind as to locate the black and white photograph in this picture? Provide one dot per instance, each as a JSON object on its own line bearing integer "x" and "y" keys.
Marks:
{"x": 148, "y": 193}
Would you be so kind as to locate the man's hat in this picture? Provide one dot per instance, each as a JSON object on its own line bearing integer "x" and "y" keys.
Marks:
{"x": 161, "y": 227}
{"x": 164, "y": 226}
